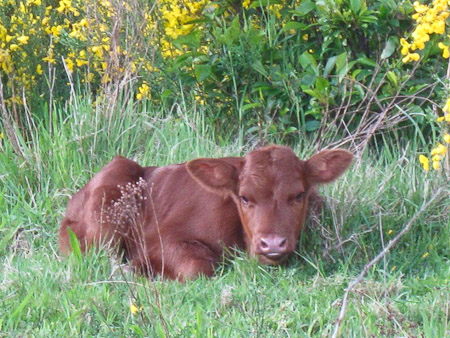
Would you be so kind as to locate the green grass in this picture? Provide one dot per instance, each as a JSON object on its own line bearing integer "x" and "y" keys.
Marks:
{"x": 45, "y": 295}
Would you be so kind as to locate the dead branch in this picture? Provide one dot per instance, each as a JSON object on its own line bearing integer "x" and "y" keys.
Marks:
{"x": 9, "y": 125}
{"x": 375, "y": 261}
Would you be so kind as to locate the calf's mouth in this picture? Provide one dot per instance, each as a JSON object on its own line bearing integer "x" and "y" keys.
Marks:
{"x": 273, "y": 258}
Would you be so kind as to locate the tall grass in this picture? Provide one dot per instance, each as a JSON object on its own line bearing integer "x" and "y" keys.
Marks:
{"x": 43, "y": 294}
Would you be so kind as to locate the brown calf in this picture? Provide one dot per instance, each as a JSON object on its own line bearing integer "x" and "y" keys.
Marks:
{"x": 177, "y": 220}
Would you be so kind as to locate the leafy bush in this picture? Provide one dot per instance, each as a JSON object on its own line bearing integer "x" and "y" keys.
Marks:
{"x": 280, "y": 66}
{"x": 263, "y": 66}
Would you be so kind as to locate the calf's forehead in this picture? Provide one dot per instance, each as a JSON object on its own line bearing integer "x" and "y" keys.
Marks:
{"x": 276, "y": 169}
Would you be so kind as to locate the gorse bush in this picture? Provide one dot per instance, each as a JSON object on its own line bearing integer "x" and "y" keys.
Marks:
{"x": 431, "y": 22}
{"x": 267, "y": 67}
{"x": 45, "y": 45}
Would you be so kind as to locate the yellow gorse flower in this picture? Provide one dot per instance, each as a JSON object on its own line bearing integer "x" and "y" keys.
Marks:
{"x": 446, "y": 138}
{"x": 143, "y": 91}
{"x": 23, "y": 39}
{"x": 440, "y": 149}
{"x": 430, "y": 20}
{"x": 425, "y": 162}
{"x": 134, "y": 309}
{"x": 445, "y": 50}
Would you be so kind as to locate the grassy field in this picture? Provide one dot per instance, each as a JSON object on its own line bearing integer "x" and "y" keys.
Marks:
{"x": 45, "y": 295}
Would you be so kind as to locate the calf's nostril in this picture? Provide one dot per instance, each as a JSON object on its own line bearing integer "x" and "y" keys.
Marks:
{"x": 264, "y": 244}
{"x": 283, "y": 243}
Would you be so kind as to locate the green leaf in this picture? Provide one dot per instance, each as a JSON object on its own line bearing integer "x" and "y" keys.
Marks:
{"x": 304, "y": 8}
{"x": 233, "y": 32}
{"x": 308, "y": 60}
{"x": 312, "y": 125}
{"x": 356, "y": 6}
{"x": 322, "y": 84}
{"x": 138, "y": 330}
{"x": 367, "y": 62}
{"x": 191, "y": 40}
{"x": 248, "y": 106}
{"x": 6, "y": 232}
{"x": 293, "y": 25}
{"x": 258, "y": 66}
{"x": 389, "y": 49}
{"x": 18, "y": 311}
{"x": 202, "y": 72}
{"x": 311, "y": 92}
{"x": 75, "y": 244}
{"x": 330, "y": 65}
{"x": 392, "y": 77}
{"x": 341, "y": 61}
{"x": 290, "y": 130}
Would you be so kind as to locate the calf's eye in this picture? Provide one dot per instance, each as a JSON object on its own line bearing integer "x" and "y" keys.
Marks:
{"x": 299, "y": 196}
{"x": 244, "y": 199}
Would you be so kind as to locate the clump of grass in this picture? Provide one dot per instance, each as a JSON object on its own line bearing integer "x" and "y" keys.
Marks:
{"x": 405, "y": 294}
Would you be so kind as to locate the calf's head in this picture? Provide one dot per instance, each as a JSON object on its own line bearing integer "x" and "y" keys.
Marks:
{"x": 271, "y": 187}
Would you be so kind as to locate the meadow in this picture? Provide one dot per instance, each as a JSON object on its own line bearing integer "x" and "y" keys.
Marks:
{"x": 194, "y": 83}
{"x": 45, "y": 294}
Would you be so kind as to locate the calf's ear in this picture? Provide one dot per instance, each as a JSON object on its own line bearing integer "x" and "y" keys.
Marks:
{"x": 215, "y": 175}
{"x": 328, "y": 165}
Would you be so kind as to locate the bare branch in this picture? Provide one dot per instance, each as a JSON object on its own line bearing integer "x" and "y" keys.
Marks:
{"x": 9, "y": 125}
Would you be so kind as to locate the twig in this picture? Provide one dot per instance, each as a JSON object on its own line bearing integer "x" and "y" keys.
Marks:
{"x": 375, "y": 261}
{"x": 10, "y": 126}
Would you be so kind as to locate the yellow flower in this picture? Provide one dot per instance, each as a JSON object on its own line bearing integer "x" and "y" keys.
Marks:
{"x": 405, "y": 46}
{"x": 39, "y": 69}
{"x": 440, "y": 149}
{"x": 1, "y": 135}
{"x": 436, "y": 158}
{"x": 23, "y": 39}
{"x": 81, "y": 62}
{"x": 419, "y": 8}
{"x": 411, "y": 57}
{"x": 70, "y": 64}
{"x": 447, "y": 138}
{"x": 436, "y": 165}
{"x": 425, "y": 255}
{"x": 440, "y": 119}
{"x": 425, "y": 162}
{"x": 447, "y": 106}
{"x": 49, "y": 59}
{"x": 390, "y": 232}
{"x": 246, "y": 3}
{"x": 133, "y": 309}
{"x": 143, "y": 91}
{"x": 13, "y": 47}
{"x": 445, "y": 50}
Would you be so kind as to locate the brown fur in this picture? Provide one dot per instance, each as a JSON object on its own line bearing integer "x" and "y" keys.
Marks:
{"x": 177, "y": 220}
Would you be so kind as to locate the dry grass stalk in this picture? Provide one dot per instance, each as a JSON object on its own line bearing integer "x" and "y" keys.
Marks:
{"x": 9, "y": 125}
